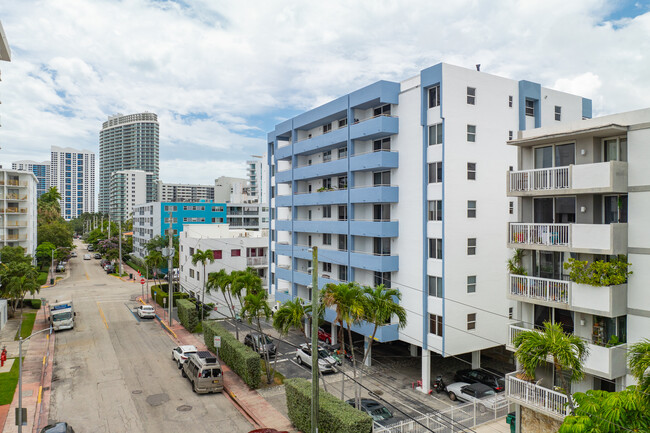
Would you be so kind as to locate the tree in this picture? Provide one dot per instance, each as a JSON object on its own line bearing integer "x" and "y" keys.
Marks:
{"x": 292, "y": 315}
{"x": 203, "y": 257}
{"x": 153, "y": 261}
{"x": 18, "y": 278}
{"x": 639, "y": 358}
{"x": 15, "y": 254}
{"x": 568, "y": 352}
{"x": 57, "y": 233}
{"x": 221, "y": 281}
{"x": 44, "y": 253}
{"x": 255, "y": 305}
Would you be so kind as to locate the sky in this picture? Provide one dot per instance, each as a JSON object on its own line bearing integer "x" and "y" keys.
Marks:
{"x": 221, "y": 74}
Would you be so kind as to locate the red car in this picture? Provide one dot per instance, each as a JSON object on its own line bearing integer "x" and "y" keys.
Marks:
{"x": 324, "y": 336}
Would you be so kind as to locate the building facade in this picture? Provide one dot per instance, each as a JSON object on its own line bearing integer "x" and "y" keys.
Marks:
{"x": 249, "y": 216}
{"x": 178, "y": 192}
{"x": 18, "y": 213}
{"x": 128, "y": 188}
{"x": 128, "y": 142}
{"x": 72, "y": 172}
{"x": 583, "y": 192}
{"x": 400, "y": 184}
{"x": 230, "y": 189}
{"x": 40, "y": 169}
{"x": 233, "y": 250}
{"x": 257, "y": 172}
{"x": 152, "y": 219}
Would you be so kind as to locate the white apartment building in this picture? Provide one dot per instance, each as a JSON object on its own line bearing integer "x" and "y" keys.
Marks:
{"x": 249, "y": 216}
{"x": 72, "y": 172}
{"x": 128, "y": 188}
{"x": 40, "y": 169}
{"x": 233, "y": 250}
{"x": 179, "y": 192}
{"x": 582, "y": 191}
{"x": 18, "y": 212}
{"x": 230, "y": 190}
{"x": 402, "y": 184}
{"x": 257, "y": 172}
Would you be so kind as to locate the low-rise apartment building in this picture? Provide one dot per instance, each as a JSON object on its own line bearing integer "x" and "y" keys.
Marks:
{"x": 18, "y": 210}
{"x": 249, "y": 216}
{"x": 180, "y": 192}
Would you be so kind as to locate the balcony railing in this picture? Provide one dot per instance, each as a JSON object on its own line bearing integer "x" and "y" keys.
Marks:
{"x": 540, "y": 179}
{"x": 542, "y": 289}
{"x": 256, "y": 261}
{"x": 536, "y": 397}
{"x": 539, "y": 234}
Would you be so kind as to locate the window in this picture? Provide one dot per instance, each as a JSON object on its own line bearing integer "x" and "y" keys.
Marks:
{"x": 381, "y": 246}
{"x": 435, "y": 210}
{"x": 615, "y": 149}
{"x": 511, "y": 207}
{"x": 435, "y": 172}
{"x": 327, "y": 211}
{"x": 327, "y": 183}
{"x": 471, "y": 208}
{"x": 381, "y": 212}
{"x": 191, "y": 273}
{"x": 384, "y": 110}
{"x": 343, "y": 213}
{"x": 343, "y": 152}
{"x": 343, "y": 122}
{"x": 558, "y": 113}
{"x": 510, "y": 312}
{"x": 235, "y": 253}
{"x": 343, "y": 273}
{"x": 309, "y": 240}
{"x": 435, "y": 134}
{"x": 198, "y": 275}
{"x": 217, "y": 220}
{"x": 471, "y": 95}
{"x": 381, "y": 145}
{"x": 510, "y": 101}
{"x": 471, "y": 133}
{"x": 383, "y": 278}
{"x": 434, "y": 96}
{"x": 471, "y": 321}
{"x": 510, "y": 135}
{"x": 171, "y": 208}
{"x": 471, "y": 171}
{"x": 327, "y": 128}
{"x": 327, "y": 156}
{"x": 381, "y": 178}
{"x": 191, "y": 251}
{"x": 343, "y": 243}
{"x": 530, "y": 107}
{"x": 327, "y": 267}
{"x": 471, "y": 246}
{"x": 327, "y": 239}
{"x": 435, "y": 325}
{"x": 435, "y": 286}
{"x": 216, "y": 254}
{"x": 343, "y": 182}
{"x": 435, "y": 248}
{"x": 471, "y": 284}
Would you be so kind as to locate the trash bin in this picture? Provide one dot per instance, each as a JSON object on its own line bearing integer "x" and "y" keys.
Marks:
{"x": 131, "y": 276}
{"x": 51, "y": 281}
{"x": 511, "y": 419}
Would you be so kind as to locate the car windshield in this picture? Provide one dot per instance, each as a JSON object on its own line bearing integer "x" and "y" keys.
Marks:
{"x": 61, "y": 316}
{"x": 322, "y": 353}
{"x": 266, "y": 337}
{"x": 380, "y": 413}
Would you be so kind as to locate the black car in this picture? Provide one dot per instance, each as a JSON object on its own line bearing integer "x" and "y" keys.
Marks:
{"x": 255, "y": 341}
{"x": 376, "y": 410}
{"x": 491, "y": 379}
{"x": 98, "y": 256}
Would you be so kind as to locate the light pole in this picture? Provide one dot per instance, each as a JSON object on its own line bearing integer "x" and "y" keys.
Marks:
{"x": 20, "y": 375}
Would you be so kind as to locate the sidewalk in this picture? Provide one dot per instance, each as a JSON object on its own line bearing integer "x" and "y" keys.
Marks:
{"x": 252, "y": 405}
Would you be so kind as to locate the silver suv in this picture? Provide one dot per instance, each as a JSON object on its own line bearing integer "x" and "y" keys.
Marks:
{"x": 325, "y": 361}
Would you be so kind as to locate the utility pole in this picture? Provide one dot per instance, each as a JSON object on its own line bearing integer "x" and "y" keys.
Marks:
{"x": 119, "y": 243}
{"x": 20, "y": 375}
{"x": 169, "y": 253}
{"x": 314, "y": 340}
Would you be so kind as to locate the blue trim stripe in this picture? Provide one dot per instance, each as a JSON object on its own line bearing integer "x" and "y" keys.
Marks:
{"x": 586, "y": 108}
{"x": 532, "y": 92}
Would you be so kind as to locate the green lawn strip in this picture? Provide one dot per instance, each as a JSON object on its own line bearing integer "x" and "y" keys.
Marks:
{"x": 8, "y": 382}
{"x": 28, "y": 325}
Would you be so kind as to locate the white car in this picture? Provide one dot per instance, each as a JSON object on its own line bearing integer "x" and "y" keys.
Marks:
{"x": 483, "y": 395}
{"x": 86, "y": 256}
{"x": 181, "y": 353}
{"x": 325, "y": 361}
{"x": 146, "y": 312}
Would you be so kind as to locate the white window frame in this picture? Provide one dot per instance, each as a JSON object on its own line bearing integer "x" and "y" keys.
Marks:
{"x": 435, "y": 134}
{"x": 471, "y": 321}
{"x": 471, "y": 284}
{"x": 471, "y": 133}
{"x": 471, "y": 95}
{"x": 471, "y": 208}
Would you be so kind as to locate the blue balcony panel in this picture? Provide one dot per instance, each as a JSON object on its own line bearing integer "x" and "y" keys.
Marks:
{"x": 384, "y": 333}
{"x": 283, "y": 225}
{"x": 328, "y": 112}
{"x": 282, "y": 273}
{"x": 283, "y": 200}
{"x": 374, "y": 194}
{"x": 321, "y": 170}
{"x": 302, "y": 252}
{"x": 374, "y": 128}
{"x": 328, "y": 226}
{"x": 283, "y": 249}
{"x": 372, "y": 262}
{"x": 320, "y": 198}
{"x": 373, "y": 161}
{"x": 321, "y": 143}
{"x": 283, "y": 176}
{"x": 283, "y": 152}
{"x": 283, "y": 129}
{"x": 381, "y": 92}
{"x": 282, "y": 297}
{"x": 378, "y": 229}
{"x": 301, "y": 278}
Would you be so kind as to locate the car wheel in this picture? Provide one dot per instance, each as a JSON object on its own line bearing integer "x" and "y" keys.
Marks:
{"x": 482, "y": 408}
{"x": 299, "y": 360}
{"x": 183, "y": 373}
{"x": 173, "y": 359}
{"x": 178, "y": 363}
{"x": 194, "y": 386}
{"x": 452, "y": 396}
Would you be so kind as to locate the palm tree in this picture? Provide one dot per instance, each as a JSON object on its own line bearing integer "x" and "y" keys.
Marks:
{"x": 256, "y": 304}
{"x": 222, "y": 281}
{"x": 292, "y": 314}
{"x": 639, "y": 358}
{"x": 347, "y": 300}
{"x": 568, "y": 352}
{"x": 202, "y": 257}
{"x": 381, "y": 305}
{"x": 153, "y": 260}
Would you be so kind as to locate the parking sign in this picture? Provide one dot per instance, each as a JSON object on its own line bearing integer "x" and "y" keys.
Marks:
{"x": 217, "y": 341}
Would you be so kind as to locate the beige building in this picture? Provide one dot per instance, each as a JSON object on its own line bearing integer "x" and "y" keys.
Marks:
{"x": 18, "y": 209}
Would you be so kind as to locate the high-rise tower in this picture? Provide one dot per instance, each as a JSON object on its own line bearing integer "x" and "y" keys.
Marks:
{"x": 72, "y": 172}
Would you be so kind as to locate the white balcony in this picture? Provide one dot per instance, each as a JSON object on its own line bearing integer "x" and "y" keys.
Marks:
{"x": 608, "y": 239}
{"x": 609, "y": 301}
{"x": 536, "y": 397}
{"x": 257, "y": 261}
{"x": 601, "y": 177}
{"x": 539, "y": 290}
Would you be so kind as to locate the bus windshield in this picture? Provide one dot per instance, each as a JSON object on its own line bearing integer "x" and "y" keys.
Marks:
{"x": 61, "y": 316}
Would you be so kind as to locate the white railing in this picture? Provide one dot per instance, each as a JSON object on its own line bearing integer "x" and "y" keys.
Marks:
{"x": 542, "y": 399}
{"x": 256, "y": 261}
{"x": 539, "y": 234}
{"x": 540, "y": 179}
{"x": 540, "y": 288}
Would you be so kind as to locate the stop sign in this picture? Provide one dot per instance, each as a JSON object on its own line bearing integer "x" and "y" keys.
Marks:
{"x": 142, "y": 281}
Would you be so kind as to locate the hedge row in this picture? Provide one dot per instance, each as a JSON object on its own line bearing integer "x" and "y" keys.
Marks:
{"x": 239, "y": 357}
{"x": 187, "y": 314}
{"x": 161, "y": 294}
{"x": 334, "y": 415}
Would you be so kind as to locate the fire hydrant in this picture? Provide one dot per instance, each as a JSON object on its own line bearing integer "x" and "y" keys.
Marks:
{"x": 3, "y": 357}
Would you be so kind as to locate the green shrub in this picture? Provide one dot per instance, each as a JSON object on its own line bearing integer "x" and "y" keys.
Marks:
{"x": 334, "y": 415}
{"x": 239, "y": 357}
{"x": 42, "y": 278}
{"x": 599, "y": 273}
{"x": 187, "y": 314}
{"x": 35, "y": 303}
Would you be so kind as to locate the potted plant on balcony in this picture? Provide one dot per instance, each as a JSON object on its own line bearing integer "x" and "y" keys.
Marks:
{"x": 515, "y": 267}
{"x": 599, "y": 273}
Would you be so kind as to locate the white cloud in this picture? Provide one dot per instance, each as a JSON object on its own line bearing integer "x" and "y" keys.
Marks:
{"x": 221, "y": 73}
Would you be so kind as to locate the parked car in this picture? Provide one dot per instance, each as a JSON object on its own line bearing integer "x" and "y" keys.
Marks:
{"x": 98, "y": 256}
{"x": 204, "y": 372}
{"x": 181, "y": 353}
{"x": 325, "y": 361}
{"x": 255, "y": 341}
{"x": 91, "y": 248}
{"x": 63, "y": 262}
{"x": 376, "y": 410}
{"x": 60, "y": 268}
{"x": 483, "y": 395}
{"x": 146, "y": 312}
{"x": 109, "y": 268}
{"x": 104, "y": 262}
{"x": 493, "y": 380}
{"x": 86, "y": 256}
{"x": 59, "y": 427}
{"x": 73, "y": 254}
{"x": 324, "y": 336}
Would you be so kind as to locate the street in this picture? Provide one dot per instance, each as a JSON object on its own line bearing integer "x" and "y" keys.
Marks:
{"x": 113, "y": 372}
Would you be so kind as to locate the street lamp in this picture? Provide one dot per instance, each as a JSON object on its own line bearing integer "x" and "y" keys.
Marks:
{"x": 20, "y": 375}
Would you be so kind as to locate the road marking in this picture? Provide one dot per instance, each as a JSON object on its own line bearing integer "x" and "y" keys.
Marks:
{"x": 87, "y": 277}
{"x": 281, "y": 360}
{"x": 102, "y": 314}
{"x": 131, "y": 311}
{"x": 40, "y": 393}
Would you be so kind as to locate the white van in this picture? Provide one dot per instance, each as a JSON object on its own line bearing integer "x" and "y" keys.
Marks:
{"x": 204, "y": 372}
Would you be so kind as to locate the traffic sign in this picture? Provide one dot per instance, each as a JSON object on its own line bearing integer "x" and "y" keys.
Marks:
{"x": 217, "y": 341}
{"x": 142, "y": 281}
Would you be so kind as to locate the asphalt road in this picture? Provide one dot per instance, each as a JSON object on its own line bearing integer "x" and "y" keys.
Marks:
{"x": 113, "y": 372}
